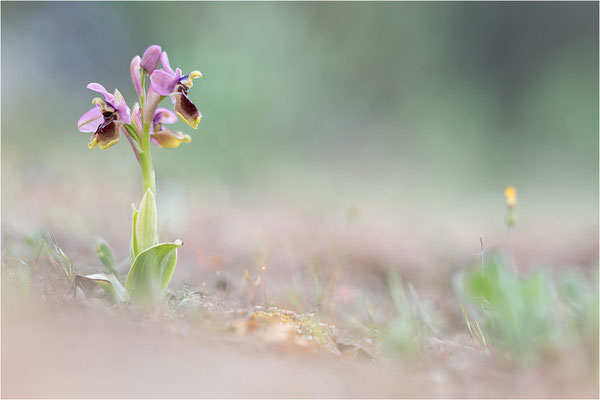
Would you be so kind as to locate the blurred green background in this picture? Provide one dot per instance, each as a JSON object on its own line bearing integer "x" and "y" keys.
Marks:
{"x": 431, "y": 101}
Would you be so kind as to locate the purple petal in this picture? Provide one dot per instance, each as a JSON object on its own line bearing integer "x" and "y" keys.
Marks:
{"x": 163, "y": 83}
{"x": 151, "y": 104}
{"x": 136, "y": 116}
{"x": 91, "y": 120}
{"x": 136, "y": 76}
{"x": 164, "y": 116}
{"x": 164, "y": 61}
{"x": 122, "y": 108}
{"x": 151, "y": 58}
{"x": 96, "y": 87}
{"x": 125, "y": 114}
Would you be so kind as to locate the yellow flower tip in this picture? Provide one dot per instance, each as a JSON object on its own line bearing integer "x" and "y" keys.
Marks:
{"x": 103, "y": 105}
{"x": 189, "y": 82}
{"x": 511, "y": 196}
{"x": 104, "y": 146}
{"x": 193, "y": 124}
{"x": 171, "y": 140}
{"x": 92, "y": 143}
{"x": 247, "y": 275}
{"x": 98, "y": 100}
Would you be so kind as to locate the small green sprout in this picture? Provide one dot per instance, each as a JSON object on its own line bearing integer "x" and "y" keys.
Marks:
{"x": 522, "y": 315}
{"x": 412, "y": 325}
{"x": 106, "y": 256}
{"x": 474, "y": 331}
{"x": 510, "y": 194}
{"x": 59, "y": 259}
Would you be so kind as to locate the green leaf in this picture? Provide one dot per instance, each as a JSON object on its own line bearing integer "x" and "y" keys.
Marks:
{"x": 106, "y": 255}
{"x": 107, "y": 282}
{"x": 133, "y": 250}
{"x": 147, "y": 223}
{"x": 151, "y": 272}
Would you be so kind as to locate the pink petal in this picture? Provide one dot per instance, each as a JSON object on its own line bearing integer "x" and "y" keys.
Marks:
{"x": 162, "y": 82}
{"x": 91, "y": 120}
{"x": 124, "y": 114}
{"x": 151, "y": 58}
{"x": 96, "y": 87}
{"x": 164, "y": 61}
{"x": 136, "y": 76}
{"x": 164, "y": 116}
{"x": 136, "y": 116}
{"x": 122, "y": 108}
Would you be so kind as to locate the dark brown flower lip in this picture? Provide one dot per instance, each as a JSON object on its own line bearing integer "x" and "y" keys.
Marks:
{"x": 107, "y": 133}
{"x": 181, "y": 88}
{"x": 185, "y": 107}
{"x": 109, "y": 116}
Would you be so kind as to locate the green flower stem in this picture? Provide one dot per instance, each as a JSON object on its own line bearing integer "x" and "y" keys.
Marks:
{"x": 143, "y": 96}
{"x": 132, "y": 136}
{"x": 148, "y": 105}
{"x": 148, "y": 177}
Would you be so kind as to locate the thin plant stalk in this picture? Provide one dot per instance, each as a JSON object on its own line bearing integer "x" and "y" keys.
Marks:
{"x": 262, "y": 281}
{"x": 511, "y": 247}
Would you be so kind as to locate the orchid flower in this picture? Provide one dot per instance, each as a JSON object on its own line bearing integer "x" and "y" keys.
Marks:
{"x": 159, "y": 135}
{"x": 163, "y": 137}
{"x": 167, "y": 82}
{"x": 105, "y": 118}
{"x": 152, "y": 262}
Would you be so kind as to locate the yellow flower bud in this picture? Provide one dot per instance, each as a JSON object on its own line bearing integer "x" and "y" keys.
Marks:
{"x": 511, "y": 196}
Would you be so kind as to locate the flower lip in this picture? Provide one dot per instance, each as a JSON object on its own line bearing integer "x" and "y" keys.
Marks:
{"x": 169, "y": 139}
{"x": 184, "y": 108}
{"x": 163, "y": 137}
{"x": 107, "y": 133}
